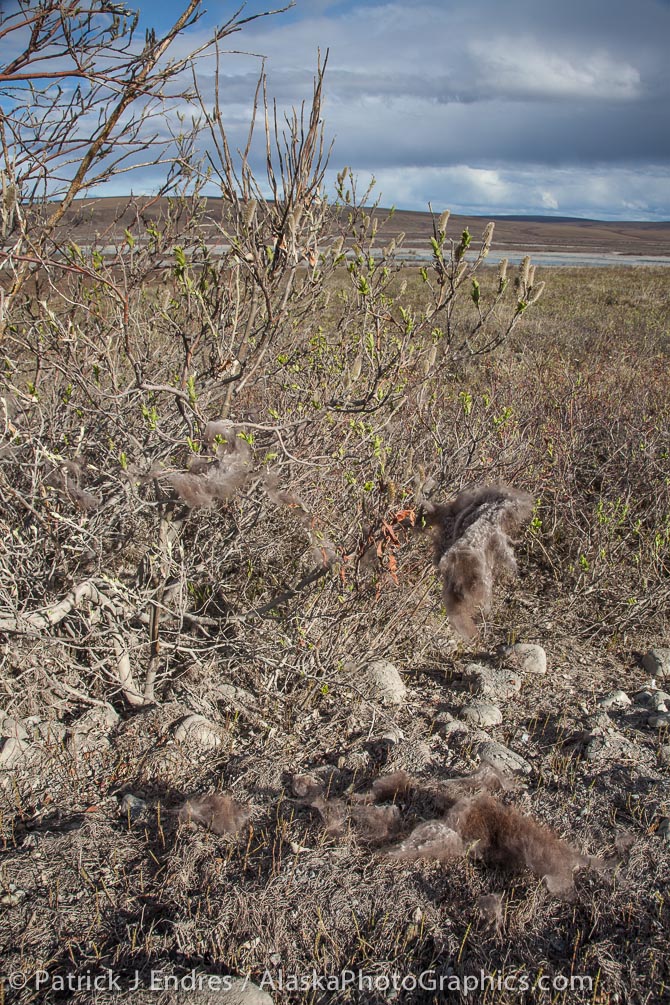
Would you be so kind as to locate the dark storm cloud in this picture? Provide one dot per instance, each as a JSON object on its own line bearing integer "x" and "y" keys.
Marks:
{"x": 573, "y": 95}
{"x": 475, "y": 104}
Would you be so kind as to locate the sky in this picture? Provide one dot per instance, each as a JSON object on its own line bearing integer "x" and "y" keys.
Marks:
{"x": 527, "y": 107}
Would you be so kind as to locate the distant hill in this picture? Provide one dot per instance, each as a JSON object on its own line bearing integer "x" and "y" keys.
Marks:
{"x": 106, "y": 217}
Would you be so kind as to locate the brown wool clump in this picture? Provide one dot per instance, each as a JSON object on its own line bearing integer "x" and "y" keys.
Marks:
{"x": 473, "y": 548}
{"x": 220, "y": 813}
{"x": 474, "y": 823}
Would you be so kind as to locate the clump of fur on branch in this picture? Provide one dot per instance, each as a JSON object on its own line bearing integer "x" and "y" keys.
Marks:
{"x": 473, "y": 548}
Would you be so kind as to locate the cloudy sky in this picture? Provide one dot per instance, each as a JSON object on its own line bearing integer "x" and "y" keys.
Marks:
{"x": 523, "y": 107}
{"x": 531, "y": 106}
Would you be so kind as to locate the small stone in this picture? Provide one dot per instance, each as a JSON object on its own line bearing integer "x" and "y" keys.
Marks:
{"x": 390, "y": 735}
{"x": 502, "y": 758}
{"x": 664, "y": 830}
{"x": 614, "y": 699}
{"x": 133, "y": 807}
{"x": 243, "y": 992}
{"x": 14, "y": 752}
{"x": 488, "y": 682}
{"x": 197, "y": 729}
{"x": 12, "y": 728}
{"x": 659, "y": 721}
{"x": 386, "y": 683}
{"x": 526, "y": 658}
{"x": 657, "y": 662}
{"x": 664, "y": 754}
{"x": 482, "y": 713}
{"x": 450, "y": 726}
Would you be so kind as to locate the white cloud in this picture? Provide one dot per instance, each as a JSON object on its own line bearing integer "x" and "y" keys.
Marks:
{"x": 603, "y": 193}
{"x": 523, "y": 67}
{"x": 526, "y": 108}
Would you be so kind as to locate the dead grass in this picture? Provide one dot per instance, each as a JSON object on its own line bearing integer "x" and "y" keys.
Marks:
{"x": 576, "y": 410}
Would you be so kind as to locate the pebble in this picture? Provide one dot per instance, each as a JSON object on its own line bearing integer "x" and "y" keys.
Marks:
{"x": 243, "y": 992}
{"x": 614, "y": 699}
{"x": 525, "y": 657}
{"x": 653, "y": 700}
{"x": 664, "y": 830}
{"x": 488, "y": 682}
{"x": 445, "y": 725}
{"x": 386, "y": 684}
{"x": 659, "y": 721}
{"x": 133, "y": 806}
{"x": 198, "y": 729}
{"x": 482, "y": 713}
{"x": 502, "y": 758}
{"x": 657, "y": 663}
{"x": 14, "y": 752}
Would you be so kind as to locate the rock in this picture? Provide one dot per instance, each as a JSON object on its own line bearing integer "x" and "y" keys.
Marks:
{"x": 526, "y": 658}
{"x": 653, "y": 700}
{"x": 659, "y": 721}
{"x": 12, "y": 728}
{"x": 614, "y": 699}
{"x": 197, "y": 729}
{"x": 14, "y": 752}
{"x": 91, "y": 731}
{"x": 386, "y": 683}
{"x": 664, "y": 830}
{"x": 133, "y": 807}
{"x": 502, "y": 758}
{"x": 445, "y": 724}
{"x": 657, "y": 663}
{"x": 201, "y": 988}
{"x": 243, "y": 992}
{"x": 482, "y": 713}
{"x": 489, "y": 682}
{"x": 664, "y": 754}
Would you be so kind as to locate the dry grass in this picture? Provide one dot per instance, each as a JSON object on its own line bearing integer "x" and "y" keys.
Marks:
{"x": 575, "y": 409}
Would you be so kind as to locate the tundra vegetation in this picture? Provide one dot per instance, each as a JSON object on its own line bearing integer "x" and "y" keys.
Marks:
{"x": 210, "y": 464}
